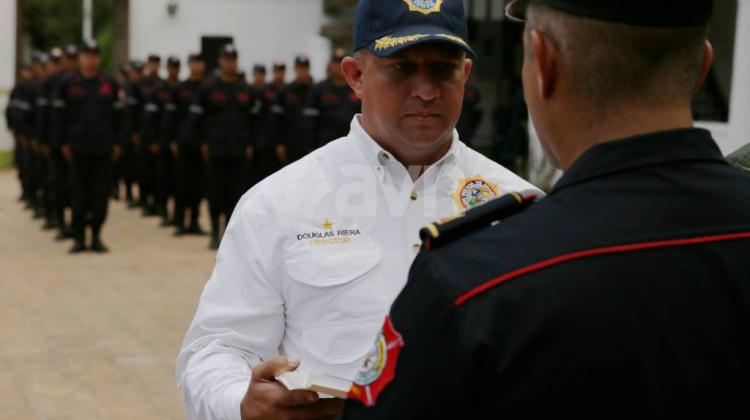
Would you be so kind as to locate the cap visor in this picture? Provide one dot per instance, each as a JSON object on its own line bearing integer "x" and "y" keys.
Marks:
{"x": 516, "y": 10}
{"x": 397, "y": 41}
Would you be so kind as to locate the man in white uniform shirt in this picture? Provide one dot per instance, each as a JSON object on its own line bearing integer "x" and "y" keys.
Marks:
{"x": 315, "y": 254}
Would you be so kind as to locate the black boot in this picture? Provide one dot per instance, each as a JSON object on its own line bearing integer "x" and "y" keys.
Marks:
{"x": 79, "y": 245}
{"x": 96, "y": 243}
{"x": 214, "y": 244}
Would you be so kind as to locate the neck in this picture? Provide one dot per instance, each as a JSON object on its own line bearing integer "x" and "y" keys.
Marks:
{"x": 196, "y": 77}
{"x": 579, "y": 134}
{"x": 88, "y": 74}
{"x": 228, "y": 77}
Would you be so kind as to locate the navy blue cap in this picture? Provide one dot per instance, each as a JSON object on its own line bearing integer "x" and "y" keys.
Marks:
{"x": 71, "y": 51}
{"x": 56, "y": 54}
{"x": 338, "y": 55}
{"x": 650, "y": 13}
{"x": 302, "y": 60}
{"x": 196, "y": 56}
{"x": 154, "y": 58}
{"x": 90, "y": 46}
{"x": 386, "y": 27}
{"x": 279, "y": 65}
{"x": 137, "y": 65}
{"x": 229, "y": 50}
{"x": 259, "y": 68}
{"x": 173, "y": 61}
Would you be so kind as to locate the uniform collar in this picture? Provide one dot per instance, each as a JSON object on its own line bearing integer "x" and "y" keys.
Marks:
{"x": 376, "y": 155}
{"x": 689, "y": 144}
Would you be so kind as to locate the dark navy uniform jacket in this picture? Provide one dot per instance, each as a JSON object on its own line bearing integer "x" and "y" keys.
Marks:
{"x": 176, "y": 124}
{"x": 223, "y": 113}
{"x": 287, "y": 118}
{"x": 623, "y": 294}
{"x": 329, "y": 112}
{"x": 90, "y": 112}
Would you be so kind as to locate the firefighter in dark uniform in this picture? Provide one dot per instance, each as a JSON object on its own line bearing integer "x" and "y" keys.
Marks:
{"x": 331, "y": 106}
{"x": 287, "y": 119}
{"x": 259, "y": 77}
{"x": 267, "y": 158}
{"x": 623, "y": 294}
{"x": 471, "y": 114}
{"x": 223, "y": 114}
{"x": 35, "y": 111}
{"x": 129, "y": 132}
{"x": 90, "y": 114}
{"x": 60, "y": 166}
{"x": 167, "y": 146}
{"x": 14, "y": 114}
{"x": 42, "y": 126}
{"x": 147, "y": 138}
{"x": 178, "y": 129}
{"x": 118, "y": 176}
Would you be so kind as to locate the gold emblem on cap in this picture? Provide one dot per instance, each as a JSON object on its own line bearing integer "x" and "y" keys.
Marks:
{"x": 388, "y": 42}
{"x": 424, "y": 6}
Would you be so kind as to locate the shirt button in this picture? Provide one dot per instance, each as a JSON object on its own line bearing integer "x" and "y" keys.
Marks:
{"x": 416, "y": 247}
{"x": 414, "y": 196}
{"x": 384, "y": 156}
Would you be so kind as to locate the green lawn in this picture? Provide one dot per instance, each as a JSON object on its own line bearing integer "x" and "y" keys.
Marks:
{"x": 6, "y": 159}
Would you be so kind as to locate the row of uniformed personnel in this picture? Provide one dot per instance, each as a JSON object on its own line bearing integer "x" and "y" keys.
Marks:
{"x": 65, "y": 117}
{"x": 221, "y": 134}
{"x": 79, "y": 133}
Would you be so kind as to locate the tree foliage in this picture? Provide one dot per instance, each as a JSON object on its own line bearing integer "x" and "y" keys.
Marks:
{"x": 54, "y": 23}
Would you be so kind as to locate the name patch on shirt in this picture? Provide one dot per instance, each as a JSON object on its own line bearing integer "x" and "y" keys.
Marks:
{"x": 328, "y": 235}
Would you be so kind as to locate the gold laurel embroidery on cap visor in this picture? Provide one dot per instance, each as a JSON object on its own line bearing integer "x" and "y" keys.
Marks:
{"x": 425, "y": 8}
{"x": 388, "y": 42}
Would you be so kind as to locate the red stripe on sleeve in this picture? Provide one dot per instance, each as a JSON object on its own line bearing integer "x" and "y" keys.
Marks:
{"x": 595, "y": 252}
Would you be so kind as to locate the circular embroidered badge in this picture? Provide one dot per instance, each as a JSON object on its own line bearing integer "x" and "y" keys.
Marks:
{"x": 474, "y": 191}
{"x": 374, "y": 363}
{"x": 424, "y": 6}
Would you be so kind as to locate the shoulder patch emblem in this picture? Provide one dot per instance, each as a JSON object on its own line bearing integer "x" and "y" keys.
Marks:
{"x": 379, "y": 366}
{"x": 424, "y": 6}
{"x": 474, "y": 192}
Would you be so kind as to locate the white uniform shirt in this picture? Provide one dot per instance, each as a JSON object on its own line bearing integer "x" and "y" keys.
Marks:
{"x": 312, "y": 260}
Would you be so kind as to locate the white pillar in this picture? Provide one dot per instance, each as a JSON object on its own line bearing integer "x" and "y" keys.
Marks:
{"x": 7, "y": 64}
{"x": 739, "y": 109}
{"x": 88, "y": 20}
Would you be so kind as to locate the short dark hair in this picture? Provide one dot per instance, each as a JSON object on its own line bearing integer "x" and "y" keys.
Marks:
{"x": 611, "y": 62}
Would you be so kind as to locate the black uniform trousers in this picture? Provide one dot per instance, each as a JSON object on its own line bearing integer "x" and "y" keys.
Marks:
{"x": 147, "y": 162}
{"x": 60, "y": 185}
{"x": 165, "y": 173}
{"x": 90, "y": 186}
{"x": 129, "y": 167}
{"x": 189, "y": 184}
{"x": 226, "y": 185}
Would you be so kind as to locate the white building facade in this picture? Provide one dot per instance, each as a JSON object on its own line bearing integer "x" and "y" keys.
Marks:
{"x": 263, "y": 30}
{"x": 7, "y": 65}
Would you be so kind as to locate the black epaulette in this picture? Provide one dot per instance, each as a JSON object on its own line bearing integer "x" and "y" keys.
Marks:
{"x": 447, "y": 230}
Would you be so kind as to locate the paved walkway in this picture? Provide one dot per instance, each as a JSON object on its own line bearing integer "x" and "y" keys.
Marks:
{"x": 90, "y": 336}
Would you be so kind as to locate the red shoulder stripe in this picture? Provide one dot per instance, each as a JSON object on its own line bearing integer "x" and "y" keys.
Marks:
{"x": 595, "y": 252}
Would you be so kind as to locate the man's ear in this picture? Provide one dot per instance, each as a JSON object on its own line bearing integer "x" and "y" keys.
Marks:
{"x": 468, "y": 66}
{"x": 353, "y": 69}
{"x": 708, "y": 60}
{"x": 546, "y": 61}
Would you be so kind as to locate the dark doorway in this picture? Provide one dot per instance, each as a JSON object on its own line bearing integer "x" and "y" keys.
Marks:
{"x": 210, "y": 47}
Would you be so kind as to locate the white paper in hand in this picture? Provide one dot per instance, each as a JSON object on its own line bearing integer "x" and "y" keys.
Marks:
{"x": 327, "y": 385}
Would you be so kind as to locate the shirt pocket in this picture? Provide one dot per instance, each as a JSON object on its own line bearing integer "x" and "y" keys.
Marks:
{"x": 342, "y": 343}
{"x": 328, "y": 264}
